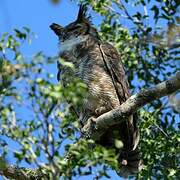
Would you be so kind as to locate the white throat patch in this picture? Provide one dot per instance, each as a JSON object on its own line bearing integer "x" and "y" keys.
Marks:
{"x": 68, "y": 44}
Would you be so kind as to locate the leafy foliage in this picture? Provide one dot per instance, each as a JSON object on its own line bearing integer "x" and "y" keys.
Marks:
{"x": 43, "y": 135}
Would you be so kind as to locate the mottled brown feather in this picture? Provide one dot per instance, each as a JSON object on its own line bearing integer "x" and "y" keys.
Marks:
{"x": 99, "y": 66}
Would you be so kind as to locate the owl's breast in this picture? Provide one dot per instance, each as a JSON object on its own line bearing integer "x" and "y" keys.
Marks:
{"x": 101, "y": 89}
{"x": 90, "y": 68}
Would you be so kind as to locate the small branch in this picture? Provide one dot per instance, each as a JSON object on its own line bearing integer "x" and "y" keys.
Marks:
{"x": 13, "y": 172}
{"x": 123, "y": 8}
{"x": 95, "y": 128}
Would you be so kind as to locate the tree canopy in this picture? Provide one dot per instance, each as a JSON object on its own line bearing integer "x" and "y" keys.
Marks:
{"x": 35, "y": 116}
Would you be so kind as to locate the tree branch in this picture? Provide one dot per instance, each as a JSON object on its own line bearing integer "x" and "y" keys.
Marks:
{"x": 94, "y": 129}
{"x": 14, "y": 172}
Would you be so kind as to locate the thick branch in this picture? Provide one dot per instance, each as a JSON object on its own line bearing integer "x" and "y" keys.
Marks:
{"x": 13, "y": 172}
{"x": 95, "y": 128}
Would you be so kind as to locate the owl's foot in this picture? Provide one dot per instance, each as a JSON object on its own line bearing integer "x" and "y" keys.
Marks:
{"x": 87, "y": 128}
{"x": 100, "y": 110}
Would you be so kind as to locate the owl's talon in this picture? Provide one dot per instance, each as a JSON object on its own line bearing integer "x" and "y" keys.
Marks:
{"x": 87, "y": 128}
{"x": 92, "y": 119}
{"x": 100, "y": 110}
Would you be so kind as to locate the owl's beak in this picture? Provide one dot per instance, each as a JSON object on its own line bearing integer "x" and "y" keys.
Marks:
{"x": 57, "y": 29}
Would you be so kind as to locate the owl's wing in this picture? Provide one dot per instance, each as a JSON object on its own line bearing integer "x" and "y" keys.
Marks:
{"x": 71, "y": 108}
{"x": 115, "y": 69}
{"x": 128, "y": 130}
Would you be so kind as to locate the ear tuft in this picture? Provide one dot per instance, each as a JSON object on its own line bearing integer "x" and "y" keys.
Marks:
{"x": 56, "y": 28}
{"x": 82, "y": 15}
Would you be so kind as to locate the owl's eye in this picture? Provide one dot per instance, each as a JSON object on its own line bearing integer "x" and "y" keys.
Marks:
{"x": 74, "y": 27}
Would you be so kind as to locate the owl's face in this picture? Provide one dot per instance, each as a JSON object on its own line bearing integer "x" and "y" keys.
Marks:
{"x": 70, "y": 31}
{"x": 80, "y": 27}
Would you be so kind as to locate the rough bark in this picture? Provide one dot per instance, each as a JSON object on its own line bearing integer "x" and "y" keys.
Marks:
{"x": 13, "y": 172}
{"x": 95, "y": 128}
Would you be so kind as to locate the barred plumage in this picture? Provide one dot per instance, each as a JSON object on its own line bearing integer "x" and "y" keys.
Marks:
{"x": 99, "y": 66}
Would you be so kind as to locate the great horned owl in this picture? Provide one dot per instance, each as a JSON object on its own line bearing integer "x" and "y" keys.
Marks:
{"x": 99, "y": 66}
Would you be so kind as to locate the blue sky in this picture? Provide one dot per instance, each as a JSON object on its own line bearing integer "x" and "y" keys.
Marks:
{"x": 38, "y": 15}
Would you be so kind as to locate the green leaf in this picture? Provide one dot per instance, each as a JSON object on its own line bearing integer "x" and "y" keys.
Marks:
{"x": 118, "y": 144}
{"x": 156, "y": 11}
{"x": 20, "y": 34}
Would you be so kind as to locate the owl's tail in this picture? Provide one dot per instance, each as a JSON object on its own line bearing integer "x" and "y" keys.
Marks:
{"x": 130, "y": 163}
{"x": 129, "y": 160}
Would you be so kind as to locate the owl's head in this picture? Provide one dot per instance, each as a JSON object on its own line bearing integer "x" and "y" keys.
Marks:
{"x": 82, "y": 26}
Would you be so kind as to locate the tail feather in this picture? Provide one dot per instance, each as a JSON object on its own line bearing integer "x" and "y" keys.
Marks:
{"x": 130, "y": 163}
{"x": 129, "y": 159}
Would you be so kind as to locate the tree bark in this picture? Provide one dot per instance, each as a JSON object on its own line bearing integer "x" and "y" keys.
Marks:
{"x": 18, "y": 173}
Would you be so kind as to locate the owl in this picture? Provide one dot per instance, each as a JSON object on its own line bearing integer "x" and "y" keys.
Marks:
{"x": 99, "y": 66}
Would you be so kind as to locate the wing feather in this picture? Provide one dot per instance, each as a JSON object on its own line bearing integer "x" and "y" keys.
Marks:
{"x": 115, "y": 68}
